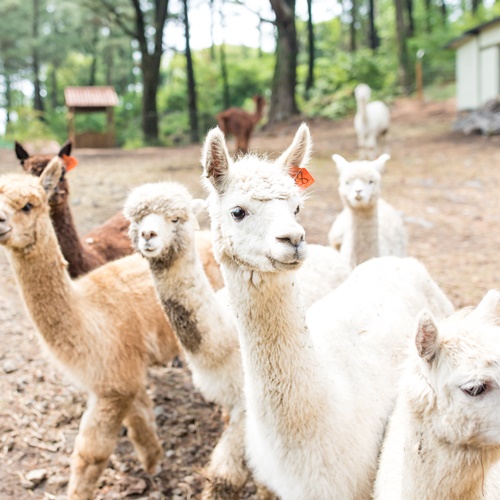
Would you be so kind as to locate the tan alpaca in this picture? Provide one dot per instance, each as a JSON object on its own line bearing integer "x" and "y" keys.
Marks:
{"x": 103, "y": 329}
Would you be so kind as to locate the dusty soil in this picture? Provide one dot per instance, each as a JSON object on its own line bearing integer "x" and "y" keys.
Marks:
{"x": 446, "y": 185}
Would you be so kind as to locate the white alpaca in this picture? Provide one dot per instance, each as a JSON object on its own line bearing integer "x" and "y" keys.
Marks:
{"x": 317, "y": 398}
{"x": 444, "y": 435}
{"x": 368, "y": 226}
{"x": 103, "y": 329}
{"x": 371, "y": 121}
{"x": 163, "y": 224}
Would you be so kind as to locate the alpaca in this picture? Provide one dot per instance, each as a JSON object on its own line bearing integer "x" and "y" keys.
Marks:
{"x": 317, "y": 394}
{"x": 368, "y": 226}
{"x": 443, "y": 437}
{"x": 241, "y": 123}
{"x": 106, "y": 242}
{"x": 103, "y": 329}
{"x": 103, "y": 244}
{"x": 162, "y": 224}
{"x": 371, "y": 121}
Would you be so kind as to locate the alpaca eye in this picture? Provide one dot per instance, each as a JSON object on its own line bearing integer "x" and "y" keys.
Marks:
{"x": 371, "y": 181}
{"x": 27, "y": 207}
{"x": 238, "y": 213}
{"x": 475, "y": 390}
{"x": 297, "y": 210}
{"x": 175, "y": 221}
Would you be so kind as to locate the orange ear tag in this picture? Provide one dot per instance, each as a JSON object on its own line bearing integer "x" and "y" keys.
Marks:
{"x": 302, "y": 177}
{"x": 70, "y": 162}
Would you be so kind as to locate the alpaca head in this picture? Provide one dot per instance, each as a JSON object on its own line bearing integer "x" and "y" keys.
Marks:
{"x": 36, "y": 164}
{"x": 362, "y": 92}
{"x": 162, "y": 219}
{"x": 253, "y": 204}
{"x": 23, "y": 203}
{"x": 458, "y": 367}
{"x": 359, "y": 181}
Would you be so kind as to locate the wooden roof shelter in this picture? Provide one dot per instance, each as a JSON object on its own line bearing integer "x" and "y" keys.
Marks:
{"x": 91, "y": 100}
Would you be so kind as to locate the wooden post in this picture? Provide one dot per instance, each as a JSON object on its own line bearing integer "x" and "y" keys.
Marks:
{"x": 110, "y": 133}
{"x": 419, "y": 75}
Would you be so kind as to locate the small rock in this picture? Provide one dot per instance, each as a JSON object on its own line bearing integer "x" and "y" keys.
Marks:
{"x": 10, "y": 366}
{"x": 36, "y": 476}
{"x": 57, "y": 481}
{"x": 135, "y": 487}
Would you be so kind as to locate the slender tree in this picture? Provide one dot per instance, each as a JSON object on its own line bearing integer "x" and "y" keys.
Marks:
{"x": 191, "y": 83}
{"x": 374, "y": 40}
{"x": 283, "y": 104}
{"x": 37, "y": 87}
{"x": 310, "y": 50}
{"x": 403, "y": 56}
{"x": 352, "y": 25}
{"x": 410, "y": 28}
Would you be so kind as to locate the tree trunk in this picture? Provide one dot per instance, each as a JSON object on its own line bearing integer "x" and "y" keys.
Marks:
{"x": 37, "y": 100}
{"x": 53, "y": 83}
{"x": 352, "y": 26}
{"x": 8, "y": 100}
{"x": 410, "y": 30}
{"x": 150, "y": 80}
{"x": 283, "y": 104}
{"x": 444, "y": 13}
{"x": 403, "y": 57}
{"x": 475, "y": 6}
{"x": 226, "y": 96}
{"x": 374, "y": 40}
{"x": 93, "y": 65}
{"x": 428, "y": 26}
{"x": 191, "y": 83}
{"x": 310, "y": 50}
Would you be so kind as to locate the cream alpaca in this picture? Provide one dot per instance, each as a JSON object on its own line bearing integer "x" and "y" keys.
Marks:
{"x": 162, "y": 228}
{"x": 444, "y": 435}
{"x": 316, "y": 401}
{"x": 103, "y": 330}
{"x": 371, "y": 121}
{"x": 368, "y": 226}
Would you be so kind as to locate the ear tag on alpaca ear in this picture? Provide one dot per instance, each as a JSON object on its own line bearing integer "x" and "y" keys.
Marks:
{"x": 70, "y": 162}
{"x": 302, "y": 177}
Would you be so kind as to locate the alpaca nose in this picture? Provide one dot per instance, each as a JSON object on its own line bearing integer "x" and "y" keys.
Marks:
{"x": 147, "y": 234}
{"x": 293, "y": 236}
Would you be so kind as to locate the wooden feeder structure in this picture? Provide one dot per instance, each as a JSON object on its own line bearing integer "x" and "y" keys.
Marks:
{"x": 91, "y": 100}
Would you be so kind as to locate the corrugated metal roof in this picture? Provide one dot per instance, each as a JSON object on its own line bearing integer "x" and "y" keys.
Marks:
{"x": 467, "y": 35}
{"x": 90, "y": 97}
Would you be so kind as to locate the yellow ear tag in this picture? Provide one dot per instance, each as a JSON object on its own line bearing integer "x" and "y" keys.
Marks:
{"x": 302, "y": 177}
{"x": 70, "y": 162}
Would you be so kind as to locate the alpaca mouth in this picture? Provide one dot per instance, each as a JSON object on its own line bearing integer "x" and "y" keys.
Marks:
{"x": 5, "y": 234}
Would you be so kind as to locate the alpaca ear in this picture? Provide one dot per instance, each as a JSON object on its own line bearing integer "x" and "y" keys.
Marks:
{"x": 380, "y": 162}
{"x": 341, "y": 163}
{"x": 21, "y": 153}
{"x": 66, "y": 149}
{"x": 426, "y": 338}
{"x": 51, "y": 175}
{"x": 215, "y": 159}
{"x": 489, "y": 303}
{"x": 297, "y": 154}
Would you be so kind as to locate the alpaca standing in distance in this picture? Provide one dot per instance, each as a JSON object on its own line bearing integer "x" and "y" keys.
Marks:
{"x": 241, "y": 123}
{"x": 317, "y": 394}
{"x": 107, "y": 242}
{"x": 103, "y": 329}
{"x": 371, "y": 121}
{"x": 444, "y": 435}
{"x": 368, "y": 226}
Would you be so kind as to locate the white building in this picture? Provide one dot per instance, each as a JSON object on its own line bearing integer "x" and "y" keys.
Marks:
{"x": 477, "y": 65}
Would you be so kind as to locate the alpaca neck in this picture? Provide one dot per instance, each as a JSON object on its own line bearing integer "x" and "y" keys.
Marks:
{"x": 80, "y": 261}
{"x": 200, "y": 323}
{"x": 259, "y": 107}
{"x": 46, "y": 287}
{"x": 433, "y": 468}
{"x": 365, "y": 235}
{"x": 361, "y": 103}
{"x": 280, "y": 366}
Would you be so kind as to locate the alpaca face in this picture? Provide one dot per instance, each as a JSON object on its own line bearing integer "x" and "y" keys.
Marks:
{"x": 362, "y": 92}
{"x": 162, "y": 219}
{"x": 22, "y": 202}
{"x": 254, "y": 205}
{"x": 461, "y": 364}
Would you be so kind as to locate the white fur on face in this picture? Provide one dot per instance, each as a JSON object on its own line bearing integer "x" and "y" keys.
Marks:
{"x": 360, "y": 185}
{"x": 153, "y": 235}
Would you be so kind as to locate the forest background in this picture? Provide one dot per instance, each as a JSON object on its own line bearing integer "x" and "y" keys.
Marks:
{"x": 170, "y": 93}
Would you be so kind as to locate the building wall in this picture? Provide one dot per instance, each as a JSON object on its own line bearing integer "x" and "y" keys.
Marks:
{"x": 467, "y": 71}
{"x": 489, "y": 78}
{"x": 490, "y": 37}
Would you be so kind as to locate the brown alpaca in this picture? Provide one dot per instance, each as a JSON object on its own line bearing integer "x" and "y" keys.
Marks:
{"x": 107, "y": 242}
{"x": 240, "y": 123}
{"x": 102, "y": 329}
{"x": 104, "y": 243}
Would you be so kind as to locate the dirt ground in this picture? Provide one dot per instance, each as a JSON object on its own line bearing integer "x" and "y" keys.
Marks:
{"x": 445, "y": 184}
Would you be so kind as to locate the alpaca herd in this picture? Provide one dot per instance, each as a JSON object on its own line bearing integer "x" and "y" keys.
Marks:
{"x": 343, "y": 369}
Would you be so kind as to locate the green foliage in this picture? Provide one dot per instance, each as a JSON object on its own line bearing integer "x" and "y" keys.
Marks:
{"x": 28, "y": 126}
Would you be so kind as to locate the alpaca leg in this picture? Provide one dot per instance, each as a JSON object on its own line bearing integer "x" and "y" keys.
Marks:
{"x": 94, "y": 443}
{"x": 227, "y": 472}
{"x": 141, "y": 427}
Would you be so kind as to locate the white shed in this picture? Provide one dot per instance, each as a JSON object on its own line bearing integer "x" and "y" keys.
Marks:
{"x": 477, "y": 65}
